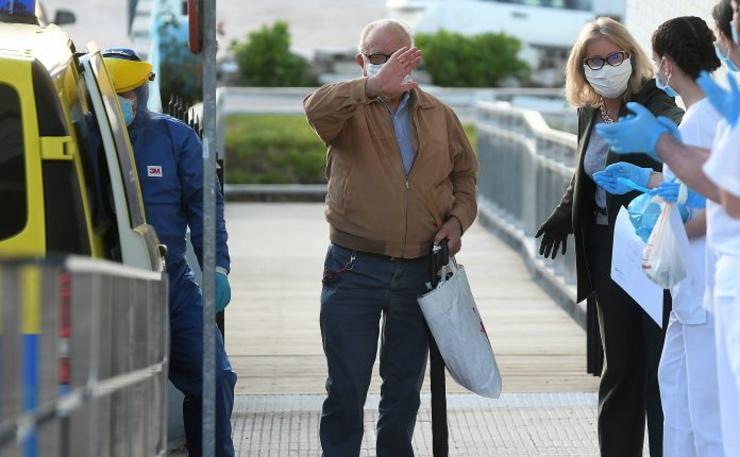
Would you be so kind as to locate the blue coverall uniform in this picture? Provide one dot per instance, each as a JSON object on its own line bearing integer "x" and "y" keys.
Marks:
{"x": 169, "y": 161}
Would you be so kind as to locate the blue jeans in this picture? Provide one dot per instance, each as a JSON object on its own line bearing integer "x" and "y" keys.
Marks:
{"x": 186, "y": 364}
{"x": 351, "y": 306}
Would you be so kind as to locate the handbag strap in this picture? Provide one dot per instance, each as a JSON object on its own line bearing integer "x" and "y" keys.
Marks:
{"x": 440, "y": 259}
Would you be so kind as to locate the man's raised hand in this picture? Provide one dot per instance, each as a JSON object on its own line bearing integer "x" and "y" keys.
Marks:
{"x": 389, "y": 81}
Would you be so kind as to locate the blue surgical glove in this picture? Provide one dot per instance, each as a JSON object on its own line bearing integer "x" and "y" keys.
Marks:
{"x": 223, "y": 291}
{"x": 643, "y": 214}
{"x": 608, "y": 179}
{"x": 669, "y": 191}
{"x": 638, "y": 132}
{"x": 727, "y": 103}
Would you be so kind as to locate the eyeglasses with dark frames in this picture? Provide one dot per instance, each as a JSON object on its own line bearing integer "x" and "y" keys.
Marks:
{"x": 377, "y": 57}
{"x": 614, "y": 59}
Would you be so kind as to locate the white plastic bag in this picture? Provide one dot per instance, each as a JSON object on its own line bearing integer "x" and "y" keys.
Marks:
{"x": 661, "y": 259}
{"x": 451, "y": 314}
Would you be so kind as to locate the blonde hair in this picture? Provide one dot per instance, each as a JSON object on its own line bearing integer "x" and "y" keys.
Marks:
{"x": 399, "y": 27}
{"x": 577, "y": 89}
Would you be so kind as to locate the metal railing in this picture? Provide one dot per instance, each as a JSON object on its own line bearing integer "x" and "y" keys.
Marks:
{"x": 83, "y": 359}
{"x": 289, "y": 100}
{"x": 525, "y": 168}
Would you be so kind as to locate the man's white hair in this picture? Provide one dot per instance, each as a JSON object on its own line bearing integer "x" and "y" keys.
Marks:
{"x": 397, "y": 26}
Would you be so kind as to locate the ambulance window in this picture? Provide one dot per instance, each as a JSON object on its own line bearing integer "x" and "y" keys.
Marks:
{"x": 12, "y": 165}
{"x": 48, "y": 108}
{"x": 96, "y": 176}
{"x": 93, "y": 164}
{"x": 120, "y": 137}
{"x": 63, "y": 202}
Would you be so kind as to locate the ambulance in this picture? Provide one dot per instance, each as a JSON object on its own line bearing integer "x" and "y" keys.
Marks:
{"x": 83, "y": 293}
{"x": 68, "y": 182}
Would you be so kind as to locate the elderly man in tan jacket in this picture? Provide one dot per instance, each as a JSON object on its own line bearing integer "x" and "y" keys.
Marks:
{"x": 402, "y": 176}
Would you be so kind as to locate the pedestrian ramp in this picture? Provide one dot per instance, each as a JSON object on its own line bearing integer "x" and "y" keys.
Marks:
{"x": 516, "y": 425}
{"x": 273, "y": 339}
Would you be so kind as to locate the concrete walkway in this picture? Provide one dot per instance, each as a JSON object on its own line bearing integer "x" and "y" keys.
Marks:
{"x": 272, "y": 336}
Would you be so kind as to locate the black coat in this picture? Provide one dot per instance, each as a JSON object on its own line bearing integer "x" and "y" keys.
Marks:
{"x": 575, "y": 213}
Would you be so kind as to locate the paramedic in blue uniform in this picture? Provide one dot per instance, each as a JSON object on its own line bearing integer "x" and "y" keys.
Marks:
{"x": 169, "y": 161}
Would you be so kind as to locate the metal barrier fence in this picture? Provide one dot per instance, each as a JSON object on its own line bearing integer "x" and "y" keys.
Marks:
{"x": 525, "y": 168}
{"x": 83, "y": 359}
{"x": 289, "y": 100}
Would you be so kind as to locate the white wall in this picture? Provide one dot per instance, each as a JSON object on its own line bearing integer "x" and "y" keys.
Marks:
{"x": 644, "y": 16}
{"x": 102, "y": 21}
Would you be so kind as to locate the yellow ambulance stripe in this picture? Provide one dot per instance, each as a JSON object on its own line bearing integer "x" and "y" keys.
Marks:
{"x": 31, "y": 293}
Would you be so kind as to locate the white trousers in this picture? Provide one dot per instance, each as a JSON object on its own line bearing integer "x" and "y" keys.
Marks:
{"x": 688, "y": 389}
{"x": 723, "y": 289}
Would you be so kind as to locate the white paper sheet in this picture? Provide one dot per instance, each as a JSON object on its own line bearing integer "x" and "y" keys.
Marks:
{"x": 627, "y": 268}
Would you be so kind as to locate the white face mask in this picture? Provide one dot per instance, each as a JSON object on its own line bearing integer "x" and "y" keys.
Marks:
{"x": 372, "y": 70}
{"x": 608, "y": 81}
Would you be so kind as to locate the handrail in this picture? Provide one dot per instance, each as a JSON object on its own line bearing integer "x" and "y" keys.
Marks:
{"x": 83, "y": 358}
{"x": 525, "y": 166}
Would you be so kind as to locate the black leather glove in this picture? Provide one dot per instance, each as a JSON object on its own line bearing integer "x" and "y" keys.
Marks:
{"x": 553, "y": 237}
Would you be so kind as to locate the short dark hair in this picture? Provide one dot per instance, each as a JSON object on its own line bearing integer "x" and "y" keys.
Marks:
{"x": 689, "y": 41}
{"x": 722, "y": 14}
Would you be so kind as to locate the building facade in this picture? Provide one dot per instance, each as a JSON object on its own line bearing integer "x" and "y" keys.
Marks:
{"x": 643, "y": 17}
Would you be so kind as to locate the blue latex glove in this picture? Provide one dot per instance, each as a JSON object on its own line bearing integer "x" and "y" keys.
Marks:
{"x": 683, "y": 210}
{"x": 727, "y": 103}
{"x": 638, "y": 132}
{"x": 223, "y": 291}
{"x": 669, "y": 191}
{"x": 643, "y": 214}
{"x": 608, "y": 179}
{"x": 632, "y": 185}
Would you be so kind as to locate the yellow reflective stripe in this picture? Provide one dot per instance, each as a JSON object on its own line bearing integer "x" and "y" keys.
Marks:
{"x": 31, "y": 293}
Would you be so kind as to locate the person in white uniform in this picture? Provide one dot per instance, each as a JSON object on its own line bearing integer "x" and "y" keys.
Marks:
{"x": 688, "y": 367}
{"x": 722, "y": 168}
{"x": 717, "y": 179}
{"x": 682, "y": 48}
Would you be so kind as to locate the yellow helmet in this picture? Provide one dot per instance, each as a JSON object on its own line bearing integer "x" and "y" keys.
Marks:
{"x": 127, "y": 74}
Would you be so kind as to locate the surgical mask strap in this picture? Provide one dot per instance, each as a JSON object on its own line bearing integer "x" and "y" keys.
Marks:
{"x": 725, "y": 58}
{"x": 667, "y": 76}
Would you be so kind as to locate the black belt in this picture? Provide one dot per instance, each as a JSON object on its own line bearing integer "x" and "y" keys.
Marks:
{"x": 386, "y": 257}
{"x": 394, "y": 259}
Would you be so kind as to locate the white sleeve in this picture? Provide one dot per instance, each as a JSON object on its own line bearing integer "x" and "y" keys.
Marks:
{"x": 723, "y": 166}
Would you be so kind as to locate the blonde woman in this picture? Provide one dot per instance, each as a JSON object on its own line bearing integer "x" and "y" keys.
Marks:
{"x": 607, "y": 69}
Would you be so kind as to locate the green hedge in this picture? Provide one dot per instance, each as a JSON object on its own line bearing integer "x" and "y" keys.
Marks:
{"x": 273, "y": 150}
{"x": 484, "y": 60}
{"x": 265, "y": 59}
{"x": 279, "y": 149}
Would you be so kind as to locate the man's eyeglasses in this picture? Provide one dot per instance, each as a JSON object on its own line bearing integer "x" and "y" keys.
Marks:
{"x": 377, "y": 57}
{"x": 614, "y": 59}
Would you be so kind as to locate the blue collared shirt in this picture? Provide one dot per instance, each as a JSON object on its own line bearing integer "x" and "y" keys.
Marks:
{"x": 402, "y": 126}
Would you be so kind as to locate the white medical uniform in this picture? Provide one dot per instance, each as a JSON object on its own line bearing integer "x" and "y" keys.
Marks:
{"x": 723, "y": 291}
{"x": 687, "y": 371}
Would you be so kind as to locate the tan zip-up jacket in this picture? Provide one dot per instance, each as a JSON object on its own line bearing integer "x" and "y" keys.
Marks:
{"x": 371, "y": 205}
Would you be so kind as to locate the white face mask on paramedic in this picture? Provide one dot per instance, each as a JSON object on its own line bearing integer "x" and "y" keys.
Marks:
{"x": 608, "y": 81}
